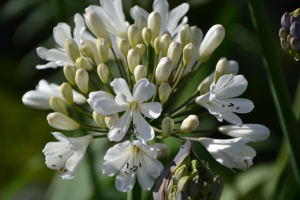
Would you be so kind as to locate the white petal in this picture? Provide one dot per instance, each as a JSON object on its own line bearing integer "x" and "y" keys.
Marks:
{"x": 121, "y": 100}
{"x": 137, "y": 11}
{"x": 143, "y": 90}
{"x": 61, "y": 32}
{"x": 52, "y": 65}
{"x": 148, "y": 150}
{"x": 244, "y": 159}
{"x": 239, "y": 105}
{"x": 178, "y": 28}
{"x": 36, "y": 100}
{"x": 150, "y": 110}
{"x": 175, "y": 15}
{"x": 55, "y": 146}
{"x": 125, "y": 182}
{"x": 106, "y": 106}
{"x": 152, "y": 166}
{"x": 95, "y": 96}
{"x": 115, "y": 163}
{"x": 53, "y": 55}
{"x": 117, "y": 151}
{"x": 229, "y": 86}
{"x": 71, "y": 166}
{"x": 162, "y": 7}
{"x": 120, "y": 86}
{"x": 57, "y": 159}
{"x": 79, "y": 28}
{"x": 232, "y": 118}
{"x": 143, "y": 130}
{"x": 144, "y": 179}
{"x": 119, "y": 129}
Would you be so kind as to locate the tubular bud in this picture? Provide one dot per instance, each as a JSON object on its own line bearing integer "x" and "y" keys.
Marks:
{"x": 285, "y": 21}
{"x": 141, "y": 48}
{"x": 103, "y": 72}
{"x": 174, "y": 52}
{"x": 58, "y": 105}
{"x": 141, "y": 23}
{"x": 204, "y": 86}
{"x": 211, "y": 41}
{"x": 133, "y": 59}
{"x": 197, "y": 35}
{"x": 164, "y": 92}
{"x": 60, "y": 121}
{"x": 188, "y": 53}
{"x": 86, "y": 51}
{"x": 72, "y": 49}
{"x": 133, "y": 35}
{"x": 189, "y": 124}
{"x": 161, "y": 150}
{"x": 165, "y": 43}
{"x": 185, "y": 35}
{"x": 157, "y": 45}
{"x": 167, "y": 127}
{"x": 195, "y": 187}
{"x": 110, "y": 120}
{"x": 179, "y": 173}
{"x": 92, "y": 46}
{"x": 67, "y": 92}
{"x": 88, "y": 62}
{"x": 80, "y": 63}
{"x": 282, "y": 33}
{"x": 124, "y": 47}
{"x": 82, "y": 80}
{"x": 295, "y": 30}
{"x": 284, "y": 44}
{"x": 147, "y": 36}
{"x": 163, "y": 70}
{"x": 154, "y": 23}
{"x": 221, "y": 68}
{"x": 295, "y": 44}
{"x": 103, "y": 49}
{"x": 233, "y": 67}
{"x": 99, "y": 119}
{"x": 183, "y": 184}
{"x": 217, "y": 189}
{"x": 96, "y": 25}
{"x": 70, "y": 72}
{"x": 140, "y": 72}
{"x": 205, "y": 188}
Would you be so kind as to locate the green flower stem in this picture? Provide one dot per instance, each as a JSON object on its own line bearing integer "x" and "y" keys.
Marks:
{"x": 155, "y": 94}
{"x": 179, "y": 78}
{"x": 121, "y": 73}
{"x": 93, "y": 83}
{"x": 154, "y": 68}
{"x": 81, "y": 111}
{"x": 110, "y": 74}
{"x": 148, "y": 61}
{"x": 277, "y": 83}
{"x": 99, "y": 136}
{"x": 129, "y": 75}
{"x": 83, "y": 108}
{"x": 174, "y": 71}
{"x": 78, "y": 90}
{"x": 108, "y": 88}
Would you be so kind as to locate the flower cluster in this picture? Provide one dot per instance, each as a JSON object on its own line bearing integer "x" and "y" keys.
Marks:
{"x": 155, "y": 59}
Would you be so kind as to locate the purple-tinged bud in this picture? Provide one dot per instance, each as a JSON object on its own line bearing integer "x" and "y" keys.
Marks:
{"x": 282, "y": 33}
{"x": 285, "y": 21}
{"x": 288, "y": 38}
{"x": 295, "y": 44}
{"x": 294, "y": 19}
{"x": 284, "y": 44}
{"x": 295, "y": 30}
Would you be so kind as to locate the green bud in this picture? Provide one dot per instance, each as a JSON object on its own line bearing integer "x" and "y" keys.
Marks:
{"x": 179, "y": 173}
{"x": 161, "y": 150}
{"x": 58, "y": 105}
{"x": 174, "y": 188}
{"x": 99, "y": 119}
{"x": 88, "y": 63}
{"x": 80, "y": 63}
{"x": 86, "y": 51}
{"x": 174, "y": 52}
{"x": 92, "y": 46}
{"x": 193, "y": 174}
{"x": 195, "y": 187}
{"x": 141, "y": 48}
{"x": 141, "y": 23}
{"x": 103, "y": 49}
{"x": 133, "y": 59}
{"x": 165, "y": 43}
{"x": 185, "y": 35}
{"x": 202, "y": 169}
{"x": 184, "y": 184}
{"x": 170, "y": 186}
{"x": 157, "y": 45}
{"x": 70, "y": 73}
{"x": 103, "y": 72}
{"x": 140, "y": 72}
{"x": 154, "y": 23}
{"x": 187, "y": 161}
{"x": 189, "y": 124}
{"x": 217, "y": 189}
{"x": 60, "y": 121}
{"x": 209, "y": 176}
{"x": 181, "y": 195}
{"x": 124, "y": 47}
{"x": 221, "y": 68}
{"x": 205, "y": 188}
{"x": 172, "y": 196}
{"x": 163, "y": 70}
{"x": 204, "y": 86}
{"x": 164, "y": 92}
{"x": 72, "y": 49}
{"x": 167, "y": 127}
{"x": 188, "y": 53}
{"x": 197, "y": 35}
{"x": 82, "y": 80}
{"x": 133, "y": 35}
{"x": 195, "y": 165}
{"x": 67, "y": 92}
{"x": 147, "y": 36}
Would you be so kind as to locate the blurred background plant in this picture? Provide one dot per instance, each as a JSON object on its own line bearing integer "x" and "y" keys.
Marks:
{"x": 25, "y": 25}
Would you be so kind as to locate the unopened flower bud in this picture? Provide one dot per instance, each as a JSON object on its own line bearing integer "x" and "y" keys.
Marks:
{"x": 82, "y": 80}
{"x": 147, "y": 36}
{"x": 96, "y": 25}
{"x": 284, "y": 44}
{"x": 205, "y": 188}
{"x": 211, "y": 41}
{"x": 195, "y": 185}
{"x": 60, "y": 121}
{"x": 154, "y": 23}
{"x": 133, "y": 35}
{"x": 103, "y": 72}
{"x": 282, "y": 33}
{"x": 165, "y": 43}
{"x": 183, "y": 184}
{"x": 295, "y": 44}
{"x": 80, "y": 63}
{"x": 141, "y": 23}
{"x": 195, "y": 165}
{"x": 188, "y": 53}
{"x": 157, "y": 45}
{"x": 163, "y": 70}
{"x": 189, "y": 124}
{"x": 204, "y": 86}
{"x": 124, "y": 47}
{"x": 67, "y": 92}
{"x": 167, "y": 127}
{"x": 70, "y": 72}
{"x": 179, "y": 173}
{"x": 294, "y": 19}
{"x": 88, "y": 63}
{"x": 99, "y": 119}
{"x": 103, "y": 49}
{"x": 285, "y": 21}
{"x": 161, "y": 150}
{"x": 164, "y": 92}
{"x": 72, "y": 49}
{"x": 133, "y": 59}
{"x": 86, "y": 51}
{"x": 92, "y": 46}
{"x": 197, "y": 35}
{"x": 209, "y": 176}
{"x": 295, "y": 30}
{"x": 140, "y": 72}
{"x": 217, "y": 188}
{"x": 110, "y": 120}
{"x": 141, "y": 48}
{"x": 185, "y": 35}
{"x": 221, "y": 68}
{"x": 58, "y": 105}
{"x": 202, "y": 169}
{"x": 187, "y": 161}
{"x": 182, "y": 195}
{"x": 174, "y": 52}
{"x": 233, "y": 67}
{"x": 288, "y": 38}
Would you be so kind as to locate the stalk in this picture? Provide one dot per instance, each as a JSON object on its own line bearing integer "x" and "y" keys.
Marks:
{"x": 121, "y": 73}
{"x": 277, "y": 83}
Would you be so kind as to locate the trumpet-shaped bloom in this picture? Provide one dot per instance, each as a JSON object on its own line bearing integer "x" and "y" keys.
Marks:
{"x": 58, "y": 57}
{"x": 66, "y": 154}
{"x": 133, "y": 105}
{"x": 231, "y": 153}
{"x": 133, "y": 160}
{"x": 40, "y": 97}
{"x": 220, "y": 101}
{"x": 169, "y": 19}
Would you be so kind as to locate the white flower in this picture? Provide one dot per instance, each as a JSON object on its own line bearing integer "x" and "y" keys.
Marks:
{"x": 220, "y": 101}
{"x": 231, "y": 153}
{"x": 61, "y": 32}
{"x": 133, "y": 105}
{"x": 132, "y": 159}
{"x": 249, "y": 132}
{"x": 66, "y": 154}
{"x": 40, "y": 97}
{"x": 169, "y": 20}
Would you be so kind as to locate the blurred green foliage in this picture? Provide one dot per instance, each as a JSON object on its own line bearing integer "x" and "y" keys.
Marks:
{"x": 25, "y": 25}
